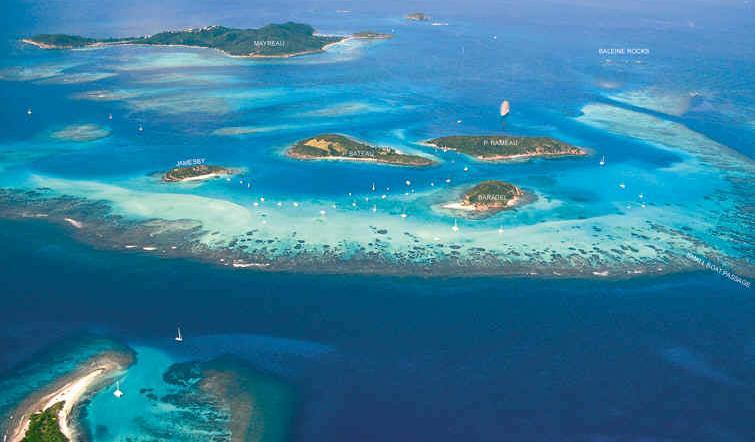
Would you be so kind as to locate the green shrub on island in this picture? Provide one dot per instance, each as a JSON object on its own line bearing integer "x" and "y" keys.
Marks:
{"x": 272, "y": 40}
{"x": 344, "y": 148}
{"x": 44, "y": 426}
{"x": 502, "y": 147}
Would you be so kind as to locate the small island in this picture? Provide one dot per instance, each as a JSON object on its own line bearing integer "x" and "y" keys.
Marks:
{"x": 196, "y": 172}
{"x": 271, "y": 41}
{"x": 370, "y": 35}
{"x": 49, "y": 415}
{"x": 505, "y": 147}
{"x": 488, "y": 198}
{"x": 418, "y": 16}
{"x": 343, "y": 148}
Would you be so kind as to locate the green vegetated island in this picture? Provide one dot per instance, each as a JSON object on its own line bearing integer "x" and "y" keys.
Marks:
{"x": 343, "y": 148}
{"x": 488, "y": 198}
{"x": 197, "y": 172}
{"x": 271, "y": 41}
{"x": 505, "y": 147}
{"x": 44, "y": 426}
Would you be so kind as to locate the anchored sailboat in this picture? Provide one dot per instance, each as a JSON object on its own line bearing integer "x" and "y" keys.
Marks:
{"x": 118, "y": 393}
{"x": 603, "y": 161}
{"x": 505, "y": 108}
{"x": 455, "y": 228}
{"x": 178, "y": 337}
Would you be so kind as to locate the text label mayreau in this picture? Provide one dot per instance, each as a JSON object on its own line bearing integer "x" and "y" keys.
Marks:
{"x": 269, "y": 43}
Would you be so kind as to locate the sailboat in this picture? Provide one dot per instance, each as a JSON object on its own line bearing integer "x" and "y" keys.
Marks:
{"x": 178, "y": 337}
{"x": 603, "y": 161}
{"x": 140, "y": 128}
{"x": 455, "y": 228}
{"x": 505, "y": 108}
{"x": 109, "y": 116}
{"x": 28, "y": 112}
{"x": 373, "y": 187}
{"x": 118, "y": 393}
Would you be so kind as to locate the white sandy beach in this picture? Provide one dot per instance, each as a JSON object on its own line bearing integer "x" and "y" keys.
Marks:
{"x": 70, "y": 393}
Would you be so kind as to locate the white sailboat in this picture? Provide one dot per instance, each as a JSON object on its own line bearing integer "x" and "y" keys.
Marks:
{"x": 505, "y": 108}
{"x": 373, "y": 187}
{"x": 118, "y": 393}
{"x": 140, "y": 128}
{"x": 455, "y": 228}
{"x": 603, "y": 161}
{"x": 28, "y": 112}
{"x": 178, "y": 337}
{"x": 109, "y": 116}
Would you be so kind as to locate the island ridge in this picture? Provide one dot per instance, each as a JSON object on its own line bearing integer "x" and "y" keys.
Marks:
{"x": 271, "y": 41}
{"x": 341, "y": 147}
{"x": 505, "y": 147}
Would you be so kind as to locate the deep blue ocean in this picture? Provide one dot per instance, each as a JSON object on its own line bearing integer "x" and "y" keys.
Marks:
{"x": 419, "y": 359}
{"x": 378, "y": 358}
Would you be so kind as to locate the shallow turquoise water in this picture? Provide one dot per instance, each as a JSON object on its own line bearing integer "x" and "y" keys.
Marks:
{"x": 456, "y": 77}
{"x": 419, "y": 359}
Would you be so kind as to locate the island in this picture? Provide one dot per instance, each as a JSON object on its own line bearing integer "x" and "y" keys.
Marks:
{"x": 343, "y": 148}
{"x": 488, "y": 198}
{"x": 196, "y": 172}
{"x": 505, "y": 147}
{"x": 44, "y": 426}
{"x": 271, "y": 41}
{"x": 418, "y": 16}
{"x": 49, "y": 414}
